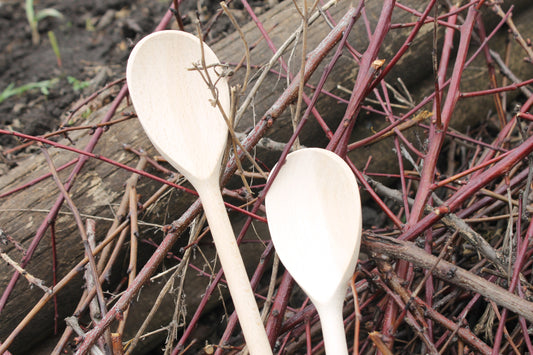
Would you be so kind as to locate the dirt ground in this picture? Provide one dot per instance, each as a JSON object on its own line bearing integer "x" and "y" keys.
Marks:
{"x": 94, "y": 40}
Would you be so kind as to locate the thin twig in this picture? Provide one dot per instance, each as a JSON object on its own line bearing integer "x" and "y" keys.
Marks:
{"x": 31, "y": 279}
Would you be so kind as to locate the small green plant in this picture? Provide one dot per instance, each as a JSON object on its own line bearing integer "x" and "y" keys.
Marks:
{"x": 77, "y": 85}
{"x": 11, "y": 90}
{"x": 55, "y": 47}
{"x": 34, "y": 18}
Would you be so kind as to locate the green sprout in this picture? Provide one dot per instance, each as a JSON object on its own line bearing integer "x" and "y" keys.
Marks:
{"x": 11, "y": 90}
{"x": 34, "y": 18}
{"x": 77, "y": 85}
{"x": 55, "y": 47}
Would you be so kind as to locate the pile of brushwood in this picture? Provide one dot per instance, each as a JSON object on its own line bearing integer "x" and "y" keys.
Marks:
{"x": 427, "y": 101}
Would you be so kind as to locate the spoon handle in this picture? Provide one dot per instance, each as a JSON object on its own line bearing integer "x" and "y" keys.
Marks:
{"x": 332, "y": 322}
{"x": 234, "y": 270}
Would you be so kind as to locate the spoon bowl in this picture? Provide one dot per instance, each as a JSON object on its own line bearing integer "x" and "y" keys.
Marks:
{"x": 178, "y": 111}
{"x": 314, "y": 216}
{"x": 174, "y": 103}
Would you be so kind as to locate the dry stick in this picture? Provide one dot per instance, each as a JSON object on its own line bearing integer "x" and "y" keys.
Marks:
{"x": 6, "y": 238}
{"x": 266, "y": 69}
{"x": 53, "y": 246}
{"x": 388, "y": 107}
{"x": 179, "y": 272}
{"x": 196, "y": 229}
{"x": 492, "y": 73}
{"x": 122, "y": 210}
{"x": 439, "y": 73}
{"x": 428, "y": 275}
{"x": 430, "y": 161}
{"x": 246, "y": 50}
{"x": 305, "y": 26}
{"x": 377, "y": 339}
{"x": 398, "y": 125}
{"x": 271, "y": 287}
{"x": 232, "y": 321}
{"x": 510, "y": 75}
{"x": 203, "y": 71}
{"x": 134, "y": 235}
{"x": 451, "y": 221}
{"x": 37, "y": 180}
{"x": 86, "y": 154}
{"x": 396, "y": 284}
{"x": 72, "y": 323}
{"x": 474, "y": 185}
{"x": 519, "y": 263}
{"x": 59, "y": 202}
{"x": 279, "y": 307}
{"x": 31, "y": 279}
{"x": 117, "y": 344}
{"x": 463, "y": 332}
{"x": 506, "y": 62}
{"x": 87, "y": 296}
{"x": 367, "y": 68}
{"x": 411, "y": 317}
{"x": 452, "y": 331}
{"x": 122, "y": 228}
{"x": 357, "y": 312}
{"x": 120, "y": 214}
{"x": 175, "y": 9}
{"x": 449, "y": 272}
{"x": 62, "y": 283}
{"x": 494, "y": 308}
{"x": 94, "y": 308}
{"x": 516, "y": 34}
{"x": 83, "y": 234}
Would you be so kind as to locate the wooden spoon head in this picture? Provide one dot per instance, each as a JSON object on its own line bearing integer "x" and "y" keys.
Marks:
{"x": 314, "y": 216}
{"x": 175, "y": 105}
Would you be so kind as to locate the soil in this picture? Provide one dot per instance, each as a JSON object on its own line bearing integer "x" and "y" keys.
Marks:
{"x": 94, "y": 40}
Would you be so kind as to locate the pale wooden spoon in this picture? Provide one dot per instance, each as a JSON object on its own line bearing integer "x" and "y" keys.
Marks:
{"x": 176, "y": 109}
{"x": 314, "y": 216}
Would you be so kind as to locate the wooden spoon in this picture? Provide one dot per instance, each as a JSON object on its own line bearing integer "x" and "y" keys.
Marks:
{"x": 314, "y": 216}
{"x": 176, "y": 108}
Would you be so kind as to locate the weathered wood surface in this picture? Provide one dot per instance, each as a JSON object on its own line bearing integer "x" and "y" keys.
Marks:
{"x": 100, "y": 186}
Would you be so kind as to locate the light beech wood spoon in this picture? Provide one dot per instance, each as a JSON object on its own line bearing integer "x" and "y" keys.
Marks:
{"x": 314, "y": 216}
{"x": 176, "y": 109}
